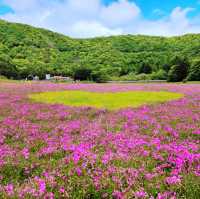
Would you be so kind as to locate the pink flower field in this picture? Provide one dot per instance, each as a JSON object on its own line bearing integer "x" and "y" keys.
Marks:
{"x": 56, "y": 151}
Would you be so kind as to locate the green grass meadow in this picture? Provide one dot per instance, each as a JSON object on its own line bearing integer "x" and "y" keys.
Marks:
{"x": 105, "y": 100}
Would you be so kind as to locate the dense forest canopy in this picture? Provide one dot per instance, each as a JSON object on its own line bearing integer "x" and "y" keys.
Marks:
{"x": 26, "y": 50}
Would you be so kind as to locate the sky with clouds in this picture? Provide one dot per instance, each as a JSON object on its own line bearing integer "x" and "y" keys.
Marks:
{"x": 91, "y": 18}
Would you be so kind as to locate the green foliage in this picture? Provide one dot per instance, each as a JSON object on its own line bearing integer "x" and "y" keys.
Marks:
{"x": 142, "y": 76}
{"x": 190, "y": 188}
{"x": 6, "y": 67}
{"x": 145, "y": 68}
{"x": 82, "y": 73}
{"x": 166, "y": 67}
{"x": 194, "y": 73}
{"x": 159, "y": 75}
{"x": 179, "y": 69}
{"x": 134, "y": 77}
{"x": 24, "y": 67}
{"x": 100, "y": 76}
{"x": 37, "y": 51}
{"x": 3, "y": 77}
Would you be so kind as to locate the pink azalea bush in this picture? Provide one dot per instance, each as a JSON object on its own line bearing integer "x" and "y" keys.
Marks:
{"x": 56, "y": 151}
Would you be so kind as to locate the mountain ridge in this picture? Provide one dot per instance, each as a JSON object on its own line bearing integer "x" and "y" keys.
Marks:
{"x": 40, "y": 51}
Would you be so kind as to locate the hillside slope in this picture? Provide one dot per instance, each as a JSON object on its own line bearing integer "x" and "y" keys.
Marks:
{"x": 38, "y": 51}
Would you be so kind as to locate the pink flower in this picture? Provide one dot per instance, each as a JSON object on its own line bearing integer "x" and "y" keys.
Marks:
{"x": 78, "y": 171}
{"x": 166, "y": 195}
{"x": 9, "y": 189}
{"x": 118, "y": 195}
{"x": 197, "y": 132}
{"x": 49, "y": 196}
{"x": 140, "y": 194}
{"x": 25, "y": 153}
{"x": 41, "y": 185}
{"x": 173, "y": 180}
{"x": 62, "y": 190}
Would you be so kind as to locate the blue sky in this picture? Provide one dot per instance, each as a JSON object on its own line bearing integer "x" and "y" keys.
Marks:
{"x": 90, "y": 18}
{"x": 148, "y": 6}
{"x": 4, "y": 8}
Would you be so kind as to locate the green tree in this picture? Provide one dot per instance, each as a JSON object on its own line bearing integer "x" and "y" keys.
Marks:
{"x": 145, "y": 68}
{"x": 166, "y": 67}
{"x": 179, "y": 69}
{"x": 159, "y": 75}
{"x": 194, "y": 72}
{"x": 100, "y": 76}
{"x": 24, "y": 67}
{"x": 7, "y": 68}
{"x": 82, "y": 73}
{"x": 36, "y": 51}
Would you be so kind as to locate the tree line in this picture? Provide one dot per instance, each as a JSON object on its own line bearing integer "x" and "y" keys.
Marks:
{"x": 25, "y": 50}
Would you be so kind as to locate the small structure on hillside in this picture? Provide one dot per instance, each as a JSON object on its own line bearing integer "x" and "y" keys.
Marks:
{"x": 48, "y": 77}
{"x": 61, "y": 78}
{"x": 30, "y": 77}
{"x": 36, "y": 78}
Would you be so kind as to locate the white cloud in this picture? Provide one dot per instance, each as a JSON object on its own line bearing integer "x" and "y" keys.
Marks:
{"x": 92, "y": 29}
{"x": 23, "y": 5}
{"x": 177, "y": 23}
{"x": 89, "y": 18}
{"x": 120, "y": 13}
{"x": 86, "y": 7}
{"x": 179, "y": 16}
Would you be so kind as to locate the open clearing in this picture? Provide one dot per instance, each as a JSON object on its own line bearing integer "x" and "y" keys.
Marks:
{"x": 105, "y": 100}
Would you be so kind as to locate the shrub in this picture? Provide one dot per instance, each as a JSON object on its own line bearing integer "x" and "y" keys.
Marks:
{"x": 173, "y": 75}
{"x": 179, "y": 69}
{"x": 128, "y": 77}
{"x": 82, "y": 73}
{"x": 194, "y": 72}
{"x": 145, "y": 68}
{"x": 142, "y": 76}
{"x": 133, "y": 77}
{"x": 159, "y": 75}
{"x": 7, "y": 69}
{"x": 2, "y": 77}
{"x": 166, "y": 67}
{"x": 100, "y": 76}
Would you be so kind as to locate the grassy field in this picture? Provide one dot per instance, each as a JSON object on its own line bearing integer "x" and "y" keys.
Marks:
{"x": 105, "y": 100}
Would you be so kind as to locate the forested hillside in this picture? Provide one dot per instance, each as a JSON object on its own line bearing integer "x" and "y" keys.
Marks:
{"x": 27, "y": 50}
